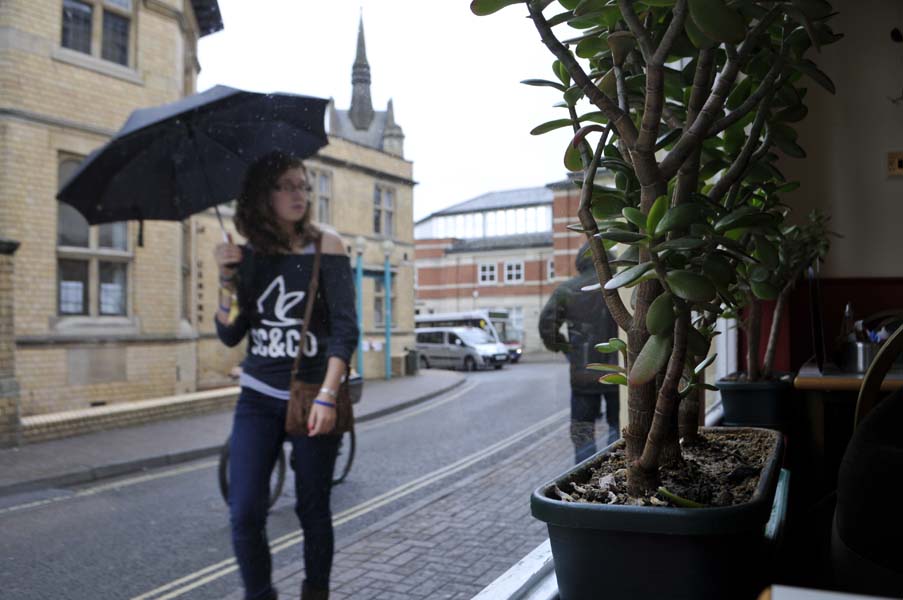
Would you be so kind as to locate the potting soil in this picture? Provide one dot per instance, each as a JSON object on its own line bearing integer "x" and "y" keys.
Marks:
{"x": 717, "y": 470}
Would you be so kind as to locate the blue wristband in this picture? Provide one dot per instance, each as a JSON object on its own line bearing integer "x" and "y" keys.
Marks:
{"x": 324, "y": 403}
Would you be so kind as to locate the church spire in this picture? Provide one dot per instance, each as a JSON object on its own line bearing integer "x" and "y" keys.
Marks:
{"x": 361, "y": 112}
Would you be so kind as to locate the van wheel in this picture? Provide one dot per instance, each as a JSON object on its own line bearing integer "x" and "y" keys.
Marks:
{"x": 424, "y": 363}
{"x": 469, "y": 364}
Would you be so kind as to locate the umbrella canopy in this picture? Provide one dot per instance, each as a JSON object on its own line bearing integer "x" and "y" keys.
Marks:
{"x": 169, "y": 162}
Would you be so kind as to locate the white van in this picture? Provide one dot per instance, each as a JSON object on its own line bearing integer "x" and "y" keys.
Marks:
{"x": 467, "y": 348}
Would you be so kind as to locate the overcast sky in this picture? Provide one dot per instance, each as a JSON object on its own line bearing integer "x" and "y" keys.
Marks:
{"x": 453, "y": 77}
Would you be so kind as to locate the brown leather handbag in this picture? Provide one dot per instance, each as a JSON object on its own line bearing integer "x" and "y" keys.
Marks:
{"x": 302, "y": 394}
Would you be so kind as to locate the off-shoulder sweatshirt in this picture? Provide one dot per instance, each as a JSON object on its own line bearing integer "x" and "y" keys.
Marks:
{"x": 272, "y": 292}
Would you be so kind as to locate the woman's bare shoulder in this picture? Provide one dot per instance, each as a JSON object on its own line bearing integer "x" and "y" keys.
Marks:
{"x": 332, "y": 241}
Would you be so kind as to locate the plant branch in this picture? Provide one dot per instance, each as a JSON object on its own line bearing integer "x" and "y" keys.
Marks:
{"x": 754, "y": 321}
{"x": 622, "y": 122}
{"x": 765, "y": 87}
{"x": 679, "y": 15}
{"x": 613, "y": 300}
{"x": 693, "y": 137}
{"x": 738, "y": 167}
{"x": 776, "y": 317}
{"x": 667, "y": 400}
{"x": 655, "y": 82}
{"x": 639, "y": 32}
{"x": 688, "y": 175}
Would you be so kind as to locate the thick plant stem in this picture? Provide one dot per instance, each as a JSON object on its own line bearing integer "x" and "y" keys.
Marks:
{"x": 689, "y": 413}
{"x": 645, "y": 470}
{"x": 753, "y": 324}
{"x": 671, "y": 446}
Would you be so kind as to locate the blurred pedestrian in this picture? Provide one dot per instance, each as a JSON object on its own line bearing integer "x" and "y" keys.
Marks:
{"x": 267, "y": 279}
{"x": 588, "y": 323}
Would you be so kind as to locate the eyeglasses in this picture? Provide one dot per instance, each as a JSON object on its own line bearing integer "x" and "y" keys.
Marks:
{"x": 287, "y": 188}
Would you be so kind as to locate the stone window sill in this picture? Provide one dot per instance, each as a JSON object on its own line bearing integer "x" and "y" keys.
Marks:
{"x": 92, "y": 63}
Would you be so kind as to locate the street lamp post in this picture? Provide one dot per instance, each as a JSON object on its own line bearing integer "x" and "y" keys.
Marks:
{"x": 360, "y": 243}
{"x": 388, "y": 246}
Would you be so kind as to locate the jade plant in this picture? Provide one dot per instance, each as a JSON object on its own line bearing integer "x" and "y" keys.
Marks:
{"x": 783, "y": 255}
{"x": 688, "y": 103}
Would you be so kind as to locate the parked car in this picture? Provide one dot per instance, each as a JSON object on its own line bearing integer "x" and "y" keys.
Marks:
{"x": 468, "y": 348}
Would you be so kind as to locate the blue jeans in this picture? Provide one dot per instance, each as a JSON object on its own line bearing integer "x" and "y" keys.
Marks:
{"x": 585, "y": 409}
{"x": 258, "y": 432}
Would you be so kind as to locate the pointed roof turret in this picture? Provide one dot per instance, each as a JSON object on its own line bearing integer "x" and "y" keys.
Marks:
{"x": 361, "y": 112}
{"x": 393, "y": 136}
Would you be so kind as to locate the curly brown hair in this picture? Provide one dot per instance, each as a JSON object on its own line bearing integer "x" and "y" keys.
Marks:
{"x": 254, "y": 217}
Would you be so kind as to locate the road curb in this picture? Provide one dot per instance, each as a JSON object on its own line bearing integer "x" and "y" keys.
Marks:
{"x": 93, "y": 474}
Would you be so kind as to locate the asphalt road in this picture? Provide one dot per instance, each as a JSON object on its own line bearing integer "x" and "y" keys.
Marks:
{"x": 165, "y": 533}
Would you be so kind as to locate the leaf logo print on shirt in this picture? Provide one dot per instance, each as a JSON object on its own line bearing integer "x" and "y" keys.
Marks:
{"x": 285, "y": 301}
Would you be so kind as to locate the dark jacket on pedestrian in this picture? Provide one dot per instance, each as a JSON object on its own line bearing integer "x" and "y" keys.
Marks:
{"x": 588, "y": 323}
{"x": 272, "y": 293}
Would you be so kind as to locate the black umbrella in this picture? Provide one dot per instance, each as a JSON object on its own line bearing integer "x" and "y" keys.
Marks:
{"x": 169, "y": 162}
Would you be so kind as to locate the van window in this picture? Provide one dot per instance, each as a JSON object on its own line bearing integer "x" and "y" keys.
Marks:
{"x": 429, "y": 337}
{"x": 453, "y": 338}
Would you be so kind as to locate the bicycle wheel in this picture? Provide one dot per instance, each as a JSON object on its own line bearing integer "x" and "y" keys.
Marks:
{"x": 345, "y": 458}
{"x": 277, "y": 478}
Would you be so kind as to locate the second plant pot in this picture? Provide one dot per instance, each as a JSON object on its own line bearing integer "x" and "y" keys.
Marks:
{"x": 756, "y": 403}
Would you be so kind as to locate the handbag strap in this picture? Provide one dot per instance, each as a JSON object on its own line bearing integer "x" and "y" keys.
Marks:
{"x": 309, "y": 306}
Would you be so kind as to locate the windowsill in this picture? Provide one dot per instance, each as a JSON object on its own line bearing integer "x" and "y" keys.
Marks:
{"x": 92, "y": 63}
{"x": 486, "y": 283}
{"x": 87, "y": 252}
{"x": 81, "y": 326}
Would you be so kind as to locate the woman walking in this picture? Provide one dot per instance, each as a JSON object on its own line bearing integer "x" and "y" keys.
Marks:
{"x": 270, "y": 277}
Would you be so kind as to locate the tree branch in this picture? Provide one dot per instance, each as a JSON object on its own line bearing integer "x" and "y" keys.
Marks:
{"x": 688, "y": 175}
{"x": 736, "y": 170}
{"x": 622, "y": 123}
{"x": 676, "y": 26}
{"x": 776, "y": 317}
{"x": 694, "y": 136}
{"x": 612, "y": 298}
{"x": 637, "y": 29}
{"x": 667, "y": 400}
{"x": 741, "y": 111}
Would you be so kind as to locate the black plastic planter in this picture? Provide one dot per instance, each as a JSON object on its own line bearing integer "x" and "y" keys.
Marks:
{"x": 639, "y": 552}
{"x": 756, "y": 403}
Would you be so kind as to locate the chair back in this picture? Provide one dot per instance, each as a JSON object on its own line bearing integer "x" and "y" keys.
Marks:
{"x": 870, "y": 392}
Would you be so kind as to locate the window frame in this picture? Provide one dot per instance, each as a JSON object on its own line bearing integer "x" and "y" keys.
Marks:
{"x": 314, "y": 174}
{"x": 94, "y": 255}
{"x": 379, "y": 296}
{"x": 495, "y": 274}
{"x": 186, "y": 274}
{"x": 99, "y": 8}
{"x": 509, "y": 278}
{"x": 380, "y": 192}
{"x": 550, "y": 269}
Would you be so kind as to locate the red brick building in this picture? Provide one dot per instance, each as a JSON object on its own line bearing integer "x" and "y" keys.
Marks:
{"x": 499, "y": 251}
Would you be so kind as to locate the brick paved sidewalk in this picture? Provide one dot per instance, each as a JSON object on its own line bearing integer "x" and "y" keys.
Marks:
{"x": 453, "y": 543}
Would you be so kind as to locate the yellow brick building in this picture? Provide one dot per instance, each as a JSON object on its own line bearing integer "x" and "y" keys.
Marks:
{"x": 98, "y": 318}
